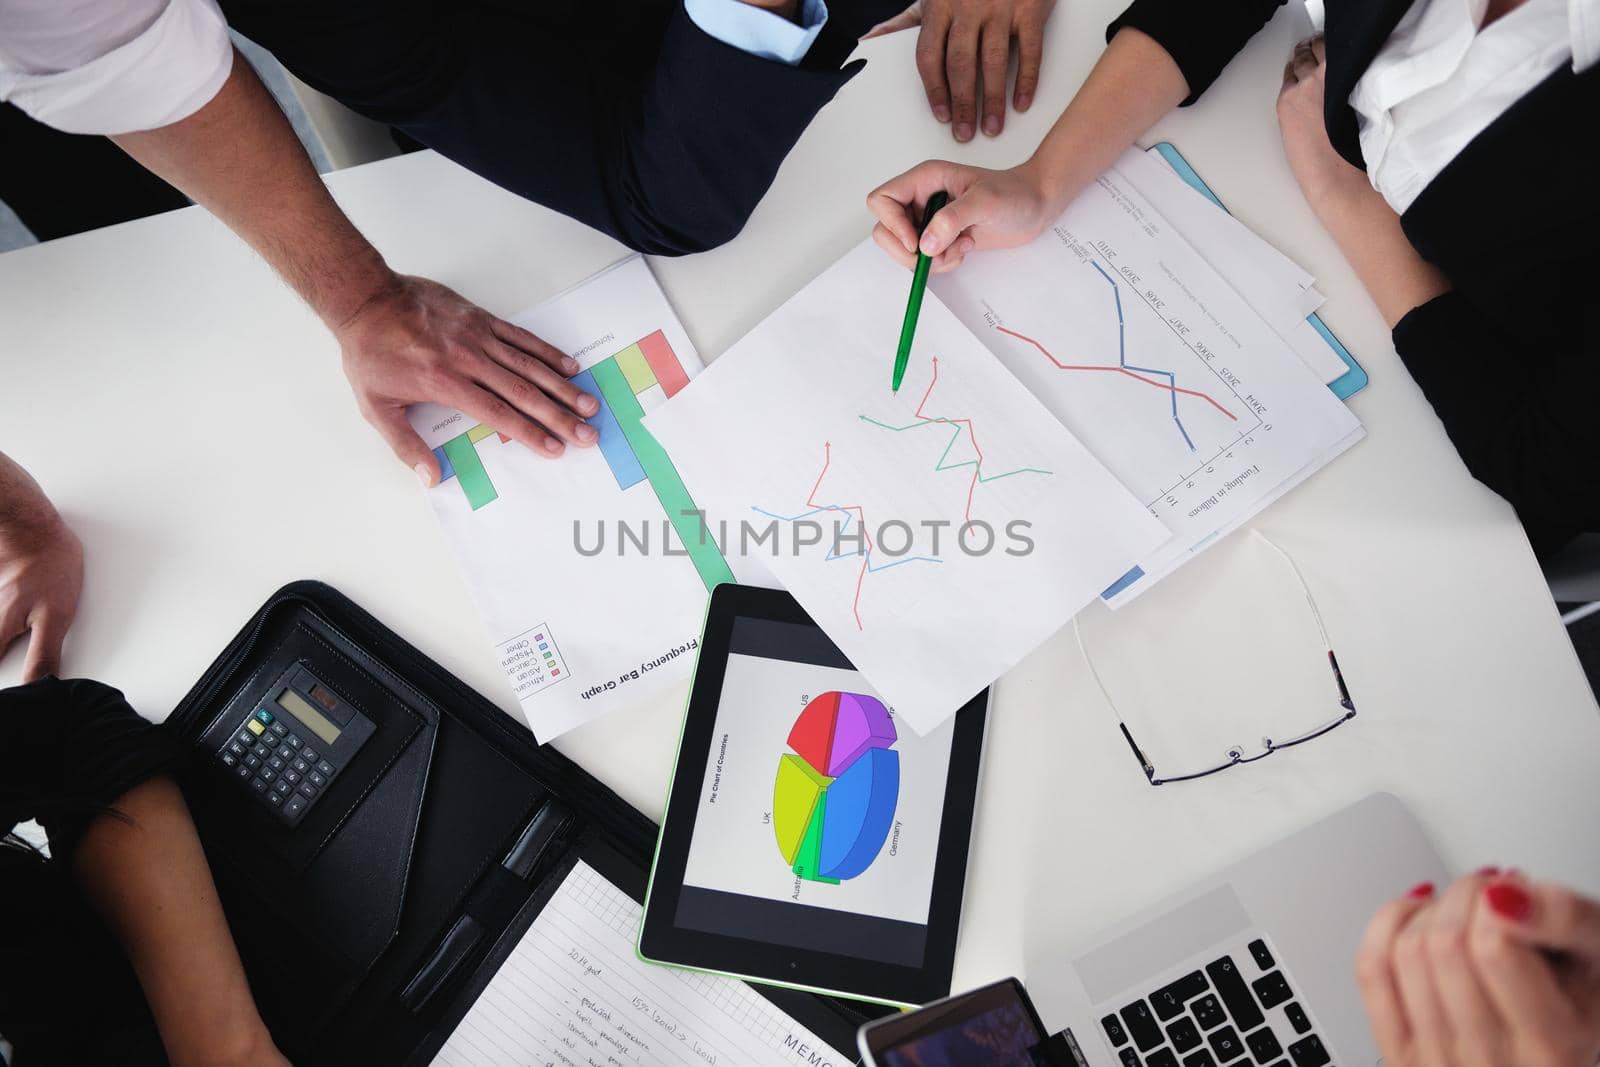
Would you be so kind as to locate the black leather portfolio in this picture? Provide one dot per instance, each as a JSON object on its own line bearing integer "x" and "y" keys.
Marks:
{"x": 382, "y": 836}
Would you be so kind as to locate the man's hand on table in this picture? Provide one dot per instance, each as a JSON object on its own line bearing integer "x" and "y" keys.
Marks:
{"x": 414, "y": 340}
{"x": 41, "y": 572}
{"x": 404, "y": 339}
{"x": 963, "y": 43}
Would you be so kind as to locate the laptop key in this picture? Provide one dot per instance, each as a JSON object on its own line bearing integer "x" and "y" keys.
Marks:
{"x": 1272, "y": 989}
{"x": 1208, "y": 1013}
{"x": 1309, "y": 1052}
{"x": 1226, "y": 1044}
{"x": 1235, "y": 994}
{"x": 1142, "y": 1025}
{"x": 1297, "y": 1018}
{"x": 1184, "y": 1035}
{"x": 1202, "y": 1058}
{"x": 1264, "y": 1045}
{"x": 1169, "y": 1000}
{"x": 1261, "y": 954}
{"x": 1128, "y": 1057}
{"x": 1114, "y": 1031}
{"x": 1161, "y": 1057}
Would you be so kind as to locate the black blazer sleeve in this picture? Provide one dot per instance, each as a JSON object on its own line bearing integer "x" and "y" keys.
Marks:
{"x": 699, "y": 150}
{"x": 1201, "y": 37}
{"x": 1525, "y": 427}
{"x": 67, "y": 750}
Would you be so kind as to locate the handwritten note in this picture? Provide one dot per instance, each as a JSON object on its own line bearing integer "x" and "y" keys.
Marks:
{"x": 574, "y": 994}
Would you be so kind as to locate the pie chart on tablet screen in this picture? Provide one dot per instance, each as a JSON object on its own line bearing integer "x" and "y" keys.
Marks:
{"x": 834, "y": 797}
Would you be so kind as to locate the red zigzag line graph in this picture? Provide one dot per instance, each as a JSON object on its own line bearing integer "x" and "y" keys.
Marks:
{"x": 861, "y": 517}
{"x": 972, "y": 436}
{"x": 1119, "y": 370}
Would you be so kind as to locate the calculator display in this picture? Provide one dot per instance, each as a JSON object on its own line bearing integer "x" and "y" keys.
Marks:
{"x": 314, "y": 720}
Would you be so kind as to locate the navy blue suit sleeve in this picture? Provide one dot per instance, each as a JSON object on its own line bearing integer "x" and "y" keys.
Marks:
{"x": 1525, "y": 427}
{"x": 1201, "y": 37}
{"x": 622, "y": 114}
{"x": 706, "y": 140}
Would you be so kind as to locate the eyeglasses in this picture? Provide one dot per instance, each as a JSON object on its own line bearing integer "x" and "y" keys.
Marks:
{"x": 1235, "y": 755}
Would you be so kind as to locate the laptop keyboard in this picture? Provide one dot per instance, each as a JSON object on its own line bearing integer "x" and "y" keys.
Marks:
{"x": 1238, "y": 1010}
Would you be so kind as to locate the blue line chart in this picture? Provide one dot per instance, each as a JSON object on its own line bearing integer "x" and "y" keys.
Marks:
{"x": 831, "y": 556}
{"x": 1122, "y": 353}
{"x": 865, "y": 537}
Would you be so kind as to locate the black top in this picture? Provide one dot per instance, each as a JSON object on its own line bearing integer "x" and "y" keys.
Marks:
{"x": 1510, "y": 358}
{"x": 68, "y": 749}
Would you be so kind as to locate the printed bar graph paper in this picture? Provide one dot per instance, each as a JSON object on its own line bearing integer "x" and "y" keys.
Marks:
{"x": 629, "y": 450}
{"x": 617, "y": 390}
{"x": 467, "y": 468}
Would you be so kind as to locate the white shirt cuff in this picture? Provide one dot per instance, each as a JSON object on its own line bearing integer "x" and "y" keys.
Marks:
{"x": 162, "y": 76}
{"x": 761, "y": 33}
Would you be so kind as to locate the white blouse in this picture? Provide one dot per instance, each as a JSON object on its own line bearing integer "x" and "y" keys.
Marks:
{"x": 1442, "y": 78}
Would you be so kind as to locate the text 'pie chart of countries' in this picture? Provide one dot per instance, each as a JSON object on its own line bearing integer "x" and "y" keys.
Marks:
{"x": 834, "y": 799}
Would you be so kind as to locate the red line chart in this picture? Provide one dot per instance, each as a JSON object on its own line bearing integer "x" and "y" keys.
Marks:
{"x": 1117, "y": 370}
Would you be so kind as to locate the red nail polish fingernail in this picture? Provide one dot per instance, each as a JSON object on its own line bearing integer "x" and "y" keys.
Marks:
{"x": 1509, "y": 901}
{"x": 1421, "y": 891}
{"x": 1488, "y": 872}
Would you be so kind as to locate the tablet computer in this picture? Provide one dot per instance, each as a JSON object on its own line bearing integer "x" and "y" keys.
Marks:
{"x": 810, "y": 838}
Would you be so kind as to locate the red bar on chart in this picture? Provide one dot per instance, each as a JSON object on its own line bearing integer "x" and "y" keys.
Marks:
{"x": 658, "y": 353}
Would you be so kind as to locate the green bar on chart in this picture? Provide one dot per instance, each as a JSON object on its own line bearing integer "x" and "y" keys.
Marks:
{"x": 662, "y": 475}
{"x": 463, "y": 456}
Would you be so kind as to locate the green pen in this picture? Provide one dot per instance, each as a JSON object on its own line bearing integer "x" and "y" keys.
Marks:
{"x": 919, "y": 282}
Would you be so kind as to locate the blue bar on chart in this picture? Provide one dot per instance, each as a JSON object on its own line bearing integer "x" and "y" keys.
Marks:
{"x": 613, "y": 444}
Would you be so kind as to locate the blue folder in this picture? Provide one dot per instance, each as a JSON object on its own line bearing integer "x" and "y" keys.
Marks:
{"x": 1352, "y": 381}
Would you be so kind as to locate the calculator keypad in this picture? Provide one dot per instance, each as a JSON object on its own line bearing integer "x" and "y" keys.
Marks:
{"x": 277, "y": 765}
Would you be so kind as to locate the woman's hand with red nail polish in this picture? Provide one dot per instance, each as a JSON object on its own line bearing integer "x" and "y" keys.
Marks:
{"x": 1492, "y": 971}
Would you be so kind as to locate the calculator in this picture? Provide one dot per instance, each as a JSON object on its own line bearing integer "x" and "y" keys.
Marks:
{"x": 292, "y": 743}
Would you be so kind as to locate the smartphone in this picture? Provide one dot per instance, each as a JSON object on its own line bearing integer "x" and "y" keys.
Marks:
{"x": 993, "y": 1026}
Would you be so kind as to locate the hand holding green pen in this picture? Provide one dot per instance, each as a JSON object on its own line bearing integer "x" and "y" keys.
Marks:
{"x": 919, "y": 282}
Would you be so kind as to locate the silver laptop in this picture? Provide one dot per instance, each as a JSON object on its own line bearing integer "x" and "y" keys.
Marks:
{"x": 1253, "y": 966}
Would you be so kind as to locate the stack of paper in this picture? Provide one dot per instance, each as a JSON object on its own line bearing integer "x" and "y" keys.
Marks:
{"x": 1276, "y": 287}
{"x": 1166, "y": 372}
{"x": 1081, "y": 416}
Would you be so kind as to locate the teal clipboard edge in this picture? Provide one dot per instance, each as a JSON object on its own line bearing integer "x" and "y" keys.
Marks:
{"x": 1352, "y": 381}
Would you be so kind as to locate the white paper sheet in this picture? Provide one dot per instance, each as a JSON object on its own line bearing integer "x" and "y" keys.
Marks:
{"x": 585, "y": 591}
{"x": 1134, "y": 590}
{"x": 574, "y": 994}
{"x": 1276, "y": 287}
{"x": 1155, "y": 363}
{"x": 795, "y": 431}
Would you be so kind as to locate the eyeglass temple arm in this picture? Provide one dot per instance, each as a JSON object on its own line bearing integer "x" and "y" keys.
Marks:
{"x": 1148, "y": 767}
{"x": 1338, "y": 678}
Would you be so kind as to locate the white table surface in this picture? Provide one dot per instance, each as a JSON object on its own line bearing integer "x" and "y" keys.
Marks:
{"x": 190, "y": 419}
